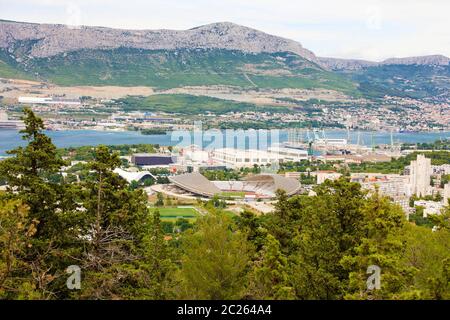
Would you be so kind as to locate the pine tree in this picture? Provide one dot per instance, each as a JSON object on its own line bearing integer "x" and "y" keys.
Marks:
{"x": 115, "y": 220}
{"x": 315, "y": 233}
{"x": 156, "y": 267}
{"x": 27, "y": 173}
{"x": 269, "y": 275}
{"x": 214, "y": 260}
{"x": 380, "y": 246}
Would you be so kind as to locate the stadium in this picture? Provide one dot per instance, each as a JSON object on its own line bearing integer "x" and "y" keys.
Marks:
{"x": 261, "y": 186}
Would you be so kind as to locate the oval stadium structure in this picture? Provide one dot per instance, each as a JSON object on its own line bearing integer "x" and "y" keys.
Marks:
{"x": 257, "y": 186}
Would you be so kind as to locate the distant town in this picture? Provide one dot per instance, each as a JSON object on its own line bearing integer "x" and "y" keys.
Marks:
{"x": 391, "y": 114}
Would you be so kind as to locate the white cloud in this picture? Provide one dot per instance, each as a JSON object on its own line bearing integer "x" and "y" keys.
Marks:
{"x": 371, "y": 29}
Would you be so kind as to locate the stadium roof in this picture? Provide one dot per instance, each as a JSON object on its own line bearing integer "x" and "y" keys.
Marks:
{"x": 195, "y": 183}
{"x": 291, "y": 186}
{"x": 266, "y": 183}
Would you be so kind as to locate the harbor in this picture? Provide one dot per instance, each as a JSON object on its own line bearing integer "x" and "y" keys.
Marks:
{"x": 10, "y": 138}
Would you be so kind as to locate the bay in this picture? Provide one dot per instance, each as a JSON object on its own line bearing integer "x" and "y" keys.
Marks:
{"x": 10, "y": 139}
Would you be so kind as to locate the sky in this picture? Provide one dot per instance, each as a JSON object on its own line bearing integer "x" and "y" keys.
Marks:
{"x": 364, "y": 29}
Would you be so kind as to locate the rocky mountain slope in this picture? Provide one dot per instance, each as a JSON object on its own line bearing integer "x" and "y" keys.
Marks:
{"x": 51, "y": 39}
{"x": 355, "y": 64}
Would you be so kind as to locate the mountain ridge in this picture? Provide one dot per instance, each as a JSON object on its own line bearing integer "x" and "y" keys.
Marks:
{"x": 357, "y": 64}
{"x": 53, "y": 39}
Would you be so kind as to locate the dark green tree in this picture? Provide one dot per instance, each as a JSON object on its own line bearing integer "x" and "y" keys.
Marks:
{"x": 381, "y": 245}
{"x": 115, "y": 224}
{"x": 28, "y": 174}
{"x": 315, "y": 233}
{"x": 269, "y": 274}
{"x": 214, "y": 260}
{"x": 156, "y": 267}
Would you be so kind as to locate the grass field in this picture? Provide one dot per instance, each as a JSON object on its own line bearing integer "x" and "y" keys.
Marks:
{"x": 171, "y": 214}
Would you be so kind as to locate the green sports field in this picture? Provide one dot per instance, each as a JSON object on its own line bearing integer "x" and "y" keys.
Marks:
{"x": 168, "y": 214}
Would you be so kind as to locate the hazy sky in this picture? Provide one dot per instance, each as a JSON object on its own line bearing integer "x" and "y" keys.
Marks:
{"x": 367, "y": 29}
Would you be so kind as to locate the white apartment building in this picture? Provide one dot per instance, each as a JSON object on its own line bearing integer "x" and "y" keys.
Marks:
{"x": 442, "y": 169}
{"x": 429, "y": 207}
{"x": 420, "y": 174}
{"x": 446, "y": 193}
{"x": 391, "y": 185}
{"x": 326, "y": 175}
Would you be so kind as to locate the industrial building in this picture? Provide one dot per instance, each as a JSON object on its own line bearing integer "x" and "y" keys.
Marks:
{"x": 243, "y": 158}
{"x": 152, "y": 159}
{"x": 288, "y": 153}
{"x": 238, "y": 158}
{"x": 48, "y": 100}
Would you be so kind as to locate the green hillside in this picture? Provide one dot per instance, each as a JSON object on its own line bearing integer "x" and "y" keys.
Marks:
{"x": 169, "y": 69}
{"x": 9, "y": 68}
{"x": 166, "y": 69}
{"x": 189, "y": 104}
{"x": 413, "y": 81}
